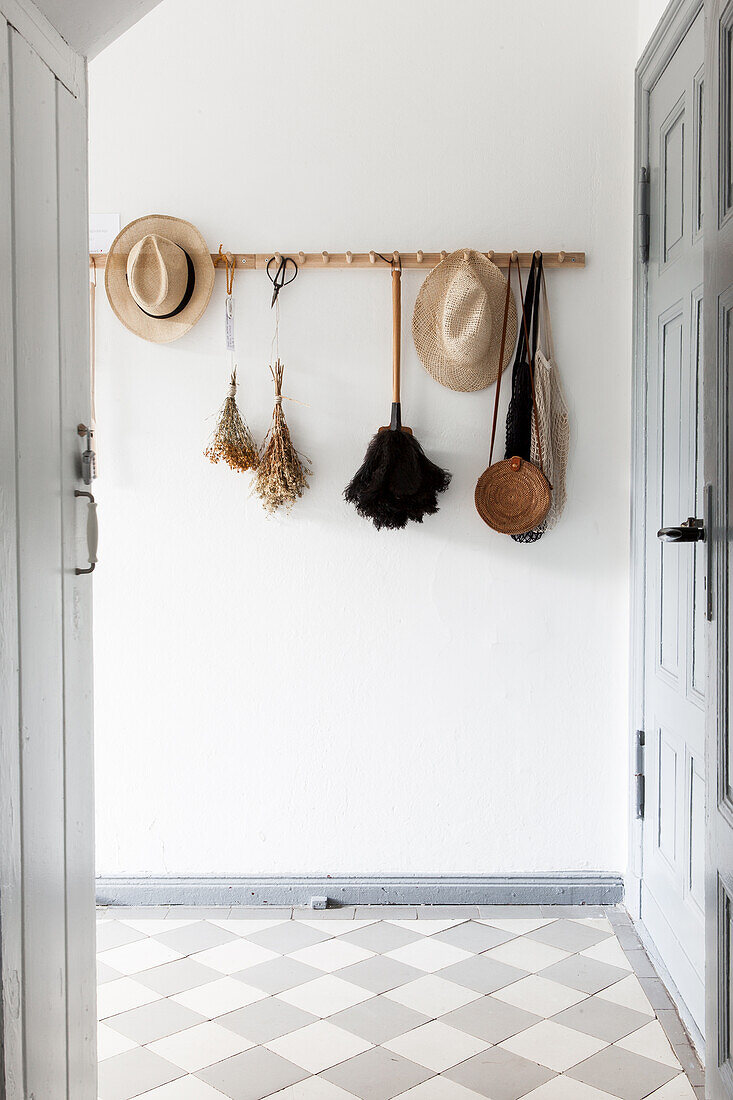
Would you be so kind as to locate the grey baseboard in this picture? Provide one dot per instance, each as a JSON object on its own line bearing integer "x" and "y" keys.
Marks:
{"x": 553, "y": 888}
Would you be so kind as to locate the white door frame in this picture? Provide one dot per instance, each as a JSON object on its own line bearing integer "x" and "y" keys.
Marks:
{"x": 47, "y": 972}
{"x": 671, "y": 30}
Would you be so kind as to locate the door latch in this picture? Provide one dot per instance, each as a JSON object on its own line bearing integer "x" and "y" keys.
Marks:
{"x": 88, "y": 457}
{"x": 692, "y": 530}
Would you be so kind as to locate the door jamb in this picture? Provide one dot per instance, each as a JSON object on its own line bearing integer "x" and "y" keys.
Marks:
{"x": 669, "y": 33}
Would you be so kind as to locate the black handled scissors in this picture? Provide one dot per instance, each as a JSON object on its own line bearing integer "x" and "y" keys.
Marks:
{"x": 279, "y": 280}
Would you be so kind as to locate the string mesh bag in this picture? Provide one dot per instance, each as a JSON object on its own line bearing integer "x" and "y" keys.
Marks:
{"x": 552, "y": 425}
{"x": 519, "y": 419}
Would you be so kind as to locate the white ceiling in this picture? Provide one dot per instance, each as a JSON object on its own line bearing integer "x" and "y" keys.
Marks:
{"x": 90, "y": 25}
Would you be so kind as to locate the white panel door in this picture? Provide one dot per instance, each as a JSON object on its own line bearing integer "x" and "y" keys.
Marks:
{"x": 46, "y": 808}
{"x": 719, "y": 473}
{"x": 672, "y": 893}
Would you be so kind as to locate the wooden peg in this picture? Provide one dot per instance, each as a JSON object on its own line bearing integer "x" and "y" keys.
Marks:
{"x": 301, "y": 258}
{"x": 396, "y": 257}
{"x": 538, "y": 254}
{"x": 443, "y": 254}
{"x": 349, "y": 257}
{"x": 325, "y": 257}
{"x": 561, "y": 257}
{"x": 515, "y": 255}
{"x": 420, "y": 255}
{"x": 372, "y": 257}
{"x": 465, "y": 255}
{"x": 491, "y": 253}
{"x": 278, "y": 258}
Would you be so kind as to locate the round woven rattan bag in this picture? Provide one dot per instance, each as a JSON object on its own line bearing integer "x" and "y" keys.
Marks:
{"x": 512, "y": 496}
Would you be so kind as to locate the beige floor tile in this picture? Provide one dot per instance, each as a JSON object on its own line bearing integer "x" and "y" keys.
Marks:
{"x": 436, "y": 1046}
{"x": 552, "y": 1045}
{"x": 651, "y": 1041}
{"x": 539, "y": 995}
{"x": 628, "y": 992}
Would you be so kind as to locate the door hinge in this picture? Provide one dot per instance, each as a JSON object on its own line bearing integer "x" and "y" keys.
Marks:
{"x": 642, "y": 206}
{"x": 639, "y": 775}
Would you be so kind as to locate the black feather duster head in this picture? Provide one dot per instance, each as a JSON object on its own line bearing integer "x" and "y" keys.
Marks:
{"x": 396, "y": 482}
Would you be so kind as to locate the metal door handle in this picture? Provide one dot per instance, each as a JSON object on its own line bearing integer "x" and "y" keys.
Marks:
{"x": 692, "y": 530}
{"x": 92, "y": 531}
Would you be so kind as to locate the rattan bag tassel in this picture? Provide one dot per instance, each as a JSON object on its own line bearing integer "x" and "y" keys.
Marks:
{"x": 232, "y": 441}
{"x": 396, "y": 482}
{"x": 282, "y": 475}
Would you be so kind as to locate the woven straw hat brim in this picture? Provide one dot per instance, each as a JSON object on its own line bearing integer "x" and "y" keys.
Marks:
{"x": 511, "y": 501}
{"x": 158, "y": 329}
{"x": 426, "y": 324}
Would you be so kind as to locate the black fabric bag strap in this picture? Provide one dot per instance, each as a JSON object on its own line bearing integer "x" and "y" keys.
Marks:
{"x": 501, "y": 357}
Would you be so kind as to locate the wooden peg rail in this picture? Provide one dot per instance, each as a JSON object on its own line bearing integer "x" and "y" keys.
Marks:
{"x": 251, "y": 261}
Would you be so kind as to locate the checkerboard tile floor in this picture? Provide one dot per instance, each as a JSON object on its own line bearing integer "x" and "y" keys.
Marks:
{"x": 428, "y": 1003}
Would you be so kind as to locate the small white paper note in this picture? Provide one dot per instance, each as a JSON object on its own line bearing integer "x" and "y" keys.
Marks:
{"x": 103, "y": 228}
{"x": 229, "y": 322}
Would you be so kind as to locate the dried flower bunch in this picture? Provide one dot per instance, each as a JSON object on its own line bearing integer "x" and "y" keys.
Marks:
{"x": 282, "y": 475}
{"x": 232, "y": 442}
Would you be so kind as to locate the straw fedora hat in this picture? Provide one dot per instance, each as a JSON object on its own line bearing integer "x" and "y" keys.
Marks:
{"x": 159, "y": 277}
{"x": 457, "y": 321}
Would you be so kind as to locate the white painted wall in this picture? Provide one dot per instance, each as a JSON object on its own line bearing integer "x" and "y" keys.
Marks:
{"x": 650, "y": 12}
{"x": 303, "y": 693}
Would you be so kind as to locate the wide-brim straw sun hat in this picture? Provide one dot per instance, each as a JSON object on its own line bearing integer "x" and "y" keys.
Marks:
{"x": 159, "y": 277}
{"x": 457, "y": 321}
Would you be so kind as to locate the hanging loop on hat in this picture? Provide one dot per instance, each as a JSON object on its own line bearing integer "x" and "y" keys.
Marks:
{"x": 280, "y": 279}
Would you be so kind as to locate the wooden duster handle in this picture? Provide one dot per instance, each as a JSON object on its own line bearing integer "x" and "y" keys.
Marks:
{"x": 396, "y": 331}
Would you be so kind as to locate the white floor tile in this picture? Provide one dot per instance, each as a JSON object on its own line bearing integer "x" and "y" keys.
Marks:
{"x": 651, "y": 1042}
{"x": 439, "y": 1088}
{"x": 608, "y": 951}
{"x": 313, "y": 1088}
{"x": 539, "y": 995}
{"x": 185, "y": 1088}
{"x": 325, "y": 996}
{"x": 602, "y": 923}
{"x": 216, "y": 998}
{"x": 426, "y": 926}
{"x": 436, "y": 1046}
{"x": 518, "y": 926}
{"x": 678, "y": 1089}
{"x": 318, "y": 1046}
{"x": 330, "y": 955}
{"x": 429, "y": 954}
{"x": 526, "y": 954}
{"x": 228, "y": 958}
{"x": 553, "y": 1045}
{"x": 200, "y": 1046}
{"x": 337, "y": 928}
{"x": 628, "y": 992}
{"x": 431, "y": 995}
{"x": 155, "y": 927}
{"x": 243, "y": 927}
{"x": 121, "y": 994}
{"x": 110, "y": 1042}
{"x": 141, "y": 955}
{"x": 565, "y": 1088}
